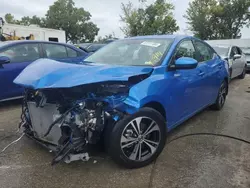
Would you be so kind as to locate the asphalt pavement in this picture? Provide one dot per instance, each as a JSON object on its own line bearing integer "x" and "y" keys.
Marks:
{"x": 190, "y": 162}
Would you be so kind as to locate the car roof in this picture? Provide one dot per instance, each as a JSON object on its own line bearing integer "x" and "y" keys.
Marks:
{"x": 221, "y": 46}
{"x": 31, "y": 41}
{"x": 6, "y": 44}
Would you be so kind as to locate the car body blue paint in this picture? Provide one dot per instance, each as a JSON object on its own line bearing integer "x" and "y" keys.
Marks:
{"x": 63, "y": 75}
{"x": 182, "y": 93}
{"x": 8, "y": 72}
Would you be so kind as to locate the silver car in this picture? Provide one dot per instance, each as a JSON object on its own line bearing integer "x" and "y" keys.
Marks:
{"x": 236, "y": 60}
{"x": 246, "y": 51}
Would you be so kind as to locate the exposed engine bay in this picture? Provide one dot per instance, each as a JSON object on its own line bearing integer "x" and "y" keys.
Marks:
{"x": 67, "y": 120}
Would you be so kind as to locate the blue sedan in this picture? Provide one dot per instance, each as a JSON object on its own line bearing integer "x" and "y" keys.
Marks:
{"x": 130, "y": 92}
{"x": 16, "y": 55}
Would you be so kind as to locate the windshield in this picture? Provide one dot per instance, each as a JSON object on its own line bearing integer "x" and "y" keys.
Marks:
{"x": 95, "y": 47}
{"x": 246, "y": 50}
{"x": 222, "y": 51}
{"x": 84, "y": 45}
{"x": 132, "y": 52}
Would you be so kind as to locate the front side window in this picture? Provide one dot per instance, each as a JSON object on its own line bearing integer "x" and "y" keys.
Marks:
{"x": 22, "y": 53}
{"x": 185, "y": 49}
{"x": 239, "y": 51}
{"x": 137, "y": 52}
{"x": 233, "y": 52}
{"x": 203, "y": 52}
{"x": 55, "y": 51}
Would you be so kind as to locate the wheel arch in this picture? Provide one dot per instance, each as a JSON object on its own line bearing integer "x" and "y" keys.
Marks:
{"x": 158, "y": 107}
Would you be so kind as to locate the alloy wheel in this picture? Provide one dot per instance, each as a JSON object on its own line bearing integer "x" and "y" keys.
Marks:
{"x": 140, "y": 139}
{"x": 222, "y": 95}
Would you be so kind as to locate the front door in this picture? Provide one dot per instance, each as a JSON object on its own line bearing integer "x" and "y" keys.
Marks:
{"x": 20, "y": 55}
{"x": 187, "y": 86}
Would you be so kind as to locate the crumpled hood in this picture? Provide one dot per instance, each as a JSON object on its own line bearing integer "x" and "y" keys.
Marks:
{"x": 46, "y": 73}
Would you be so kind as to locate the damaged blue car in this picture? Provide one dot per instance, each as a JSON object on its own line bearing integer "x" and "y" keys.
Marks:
{"x": 127, "y": 95}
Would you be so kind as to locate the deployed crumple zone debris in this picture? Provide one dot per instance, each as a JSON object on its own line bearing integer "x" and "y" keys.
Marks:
{"x": 68, "y": 119}
{"x": 76, "y": 157}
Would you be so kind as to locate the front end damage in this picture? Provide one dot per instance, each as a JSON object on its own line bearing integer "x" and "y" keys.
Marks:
{"x": 67, "y": 120}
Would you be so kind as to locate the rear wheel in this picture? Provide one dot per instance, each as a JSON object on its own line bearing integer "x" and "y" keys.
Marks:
{"x": 138, "y": 139}
{"x": 221, "y": 98}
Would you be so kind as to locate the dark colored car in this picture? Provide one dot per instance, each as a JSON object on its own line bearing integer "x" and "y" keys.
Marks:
{"x": 90, "y": 47}
{"x": 16, "y": 55}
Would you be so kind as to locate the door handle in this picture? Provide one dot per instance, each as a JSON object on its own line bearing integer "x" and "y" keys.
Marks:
{"x": 201, "y": 73}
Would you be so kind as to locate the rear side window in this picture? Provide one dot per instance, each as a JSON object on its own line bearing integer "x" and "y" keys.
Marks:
{"x": 203, "y": 52}
{"x": 22, "y": 53}
{"x": 71, "y": 52}
{"x": 55, "y": 51}
{"x": 185, "y": 49}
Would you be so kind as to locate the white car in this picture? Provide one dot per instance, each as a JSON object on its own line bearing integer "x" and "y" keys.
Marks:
{"x": 236, "y": 60}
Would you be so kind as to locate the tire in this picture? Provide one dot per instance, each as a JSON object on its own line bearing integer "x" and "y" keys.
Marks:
{"x": 126, "y": 142}
{"x": 243, "y": 74}
{"x": 221, "y": 98}
{"x": 230, "y": 74}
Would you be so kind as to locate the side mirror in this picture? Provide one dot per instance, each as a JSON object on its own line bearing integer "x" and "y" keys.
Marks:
{"x": 4, "y": 60}
{"x": 237, "y": 56}
{"x": 186, "y": 63}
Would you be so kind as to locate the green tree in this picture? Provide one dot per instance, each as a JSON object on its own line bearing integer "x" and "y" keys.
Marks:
{"x": 156, "y": 18}
{"x": 9, "y": 18}
{"x": 63, "y": 15}
{"x": 217, "y": 19}
{"x": 74, "y": 21}
{"x": 26, "y": 20}
{"x": 105, "y": 38}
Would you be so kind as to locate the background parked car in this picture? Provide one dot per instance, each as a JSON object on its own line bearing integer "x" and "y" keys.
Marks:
{"x": 90, "y": 47}
{"x": 236, "y": 60}
{"x": 246, "y": 51}
{"x": 16, "y": 55}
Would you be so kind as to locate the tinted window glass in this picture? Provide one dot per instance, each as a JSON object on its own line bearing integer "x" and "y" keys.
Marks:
{"x": 95, "y": 47}
{"x": 233, "y": 52}
{"x": 203, "y": 52}
{"x": 55, "y": 51}
{"x": 22, "y": 53}
{"x": 71, "y": 52}
{"x": 239, "y": 50}
{"x": 185, "y": 49}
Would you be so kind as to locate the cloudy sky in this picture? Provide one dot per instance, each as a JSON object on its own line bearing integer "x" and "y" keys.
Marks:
{"x": 105, "y": 13}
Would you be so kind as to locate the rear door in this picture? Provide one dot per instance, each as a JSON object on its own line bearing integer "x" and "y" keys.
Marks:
{"x": 20, "y": 55}
{"x": 211, "y": 65}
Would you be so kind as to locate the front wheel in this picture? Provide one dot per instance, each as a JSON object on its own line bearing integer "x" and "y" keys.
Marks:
{"x": 243, "y": 74}
{"x": 138, "y": 139}
{"x": 221, "y": 98}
